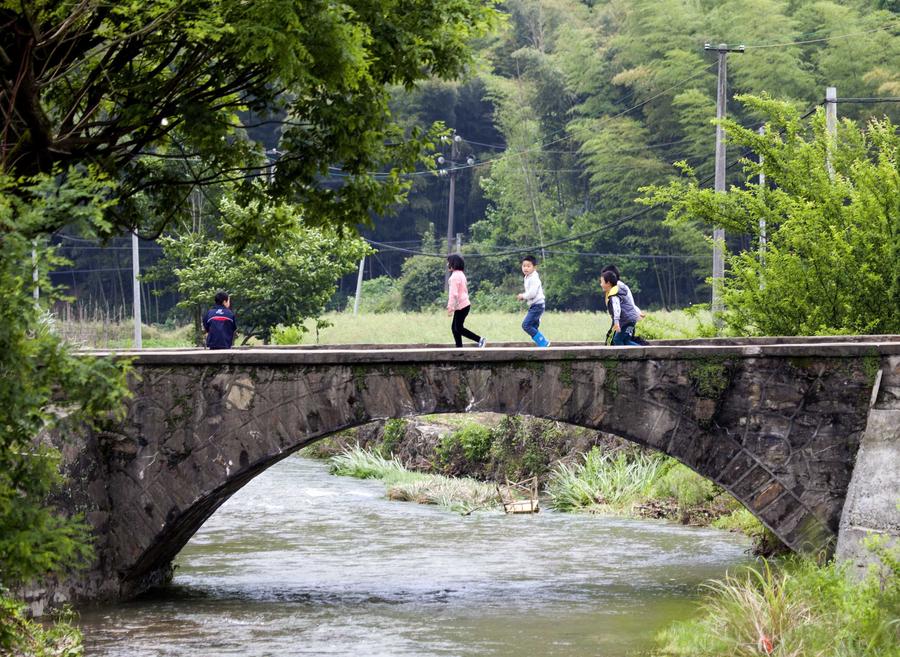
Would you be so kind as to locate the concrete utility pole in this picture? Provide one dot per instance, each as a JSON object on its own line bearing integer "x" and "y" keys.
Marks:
{"x": 34, "y": 272}
{"x": 762, "y": 220}
{"x": 718, "y": 273}
{"x": 454, "y": 143}
{"x": 136, "y": 289}
{"x": 830, "y": 125}
{"x": 359, "y": 277}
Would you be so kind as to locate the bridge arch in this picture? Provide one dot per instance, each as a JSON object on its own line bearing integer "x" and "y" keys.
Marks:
{"x": 776, "y": 425}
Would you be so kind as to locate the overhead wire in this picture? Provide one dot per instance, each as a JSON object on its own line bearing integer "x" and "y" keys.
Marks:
{"x": 864, "y": 101}
{"x": 892, "y": 23}
{"x": 571, "y": 238}
{"x": 541, "y": 146}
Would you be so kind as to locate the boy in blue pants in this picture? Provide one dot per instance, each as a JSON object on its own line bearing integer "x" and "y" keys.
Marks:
{"x": 534, "y": 297}
{"x": 622, "y": 311}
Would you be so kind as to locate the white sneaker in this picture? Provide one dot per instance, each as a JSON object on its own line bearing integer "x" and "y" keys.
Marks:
{"x": 482, "y": 342}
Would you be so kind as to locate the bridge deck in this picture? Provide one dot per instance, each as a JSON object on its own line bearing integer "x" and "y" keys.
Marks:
{"x": 830, "y": 347}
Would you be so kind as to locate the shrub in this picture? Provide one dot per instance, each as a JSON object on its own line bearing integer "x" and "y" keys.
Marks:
{"x": 378, "y": 295}
{"x": 475, "y": 440}
{"x": 422, "y": 283}
{"x": 394, "y": 430}
{"x": 491, "y": 298}
{"x": 20, "y": 635}
{"x": 285, "y": 335}
{"x": 685, "y": 486}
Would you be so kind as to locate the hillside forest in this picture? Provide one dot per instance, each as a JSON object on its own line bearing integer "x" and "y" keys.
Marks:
{"x": 572, "y": 110}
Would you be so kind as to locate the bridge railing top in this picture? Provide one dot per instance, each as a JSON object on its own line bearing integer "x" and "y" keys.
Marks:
{"x": 823, "y": 347}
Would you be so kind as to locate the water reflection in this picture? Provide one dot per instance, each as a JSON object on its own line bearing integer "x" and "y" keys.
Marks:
{"x": 303, "y": 563}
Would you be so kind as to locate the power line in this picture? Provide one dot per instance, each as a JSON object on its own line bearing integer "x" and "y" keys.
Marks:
{"x": 496, "y": 147}
{"x": 828, "y": 38}
{"x": 639, "y": 256}
{"x": 60, "y": 272}
{"x": 865, "y": 101}
{"x": 572, "y": 238}
{"x": 151, "y": 245}
{"x": 604, "y": 120}
{"x": 539, "y": 147}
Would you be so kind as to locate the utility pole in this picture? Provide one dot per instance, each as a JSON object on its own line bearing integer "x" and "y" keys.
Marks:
{"x": 718, "y": 273}
{"x": 359, "y": 277}
{"x": 830, "y": 125}
{"x": 136, "y": 288}
{"x": 34, "y": 271}
{"x": 454, "y": 143}
{"x": 762, "y": 220}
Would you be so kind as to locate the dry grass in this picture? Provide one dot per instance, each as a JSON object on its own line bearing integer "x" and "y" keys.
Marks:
{"x": 463, "y": 495}
{"x": 101, "y": 334}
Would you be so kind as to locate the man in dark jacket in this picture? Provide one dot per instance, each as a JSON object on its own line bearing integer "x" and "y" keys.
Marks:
{"x": 219, "y": 323}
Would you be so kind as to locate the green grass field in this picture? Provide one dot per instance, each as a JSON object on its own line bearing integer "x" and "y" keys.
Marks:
{"x": 418, "y": 328}
{"x": 404, "y": 328}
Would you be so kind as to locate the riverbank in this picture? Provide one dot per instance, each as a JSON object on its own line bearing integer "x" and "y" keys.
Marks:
{"x": 56, "y": 636}
{"x": 794, "y": 607}
{"x": 579, "y": 470}
{"x": 462, "y": 495}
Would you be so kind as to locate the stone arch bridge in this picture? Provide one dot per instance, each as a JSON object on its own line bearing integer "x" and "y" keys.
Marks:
{"x": 776, "y": 422}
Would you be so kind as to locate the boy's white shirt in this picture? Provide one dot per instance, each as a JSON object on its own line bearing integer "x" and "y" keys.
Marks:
{"x": 616, "y": 309}
{"x": 534, "y": 291}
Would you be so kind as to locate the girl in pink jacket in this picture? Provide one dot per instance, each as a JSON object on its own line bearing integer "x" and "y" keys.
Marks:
{"x": 458, "y": 304}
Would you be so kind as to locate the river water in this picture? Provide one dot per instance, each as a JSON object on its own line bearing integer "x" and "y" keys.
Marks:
{"x": 300, "y": 562}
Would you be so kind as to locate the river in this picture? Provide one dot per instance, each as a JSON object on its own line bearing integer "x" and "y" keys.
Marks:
{"x": 300, "y": 562}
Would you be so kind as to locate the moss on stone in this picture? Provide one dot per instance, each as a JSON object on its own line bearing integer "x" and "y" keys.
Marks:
{"x": 462, "y": 395}
{"x": 565, "y": 374}
{"x": 360, "y": 372}
{"x": 611, "y": 383}
{"x": 409, "y": 373}
{"x": 871, "y": 365}
{"x": 710, "y": 377}
{"x": 803, "y": 362}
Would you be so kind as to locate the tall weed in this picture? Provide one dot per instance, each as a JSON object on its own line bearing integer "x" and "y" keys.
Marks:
{"x": 795, "y": 609}
{"x": 363, "y": 464}
{"x": 615, "y": 481}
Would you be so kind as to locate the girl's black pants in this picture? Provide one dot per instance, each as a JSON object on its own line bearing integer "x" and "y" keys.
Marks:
{"x": 460, "y": 331}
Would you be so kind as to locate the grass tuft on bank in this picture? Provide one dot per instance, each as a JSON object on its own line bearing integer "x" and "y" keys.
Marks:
{"x": 462, "y": 495}
{"x": 795, "y": 608}
{"x": 611, "y": 482}
{"x": 645, "y": 484}
{"x": 27, "y": 637}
